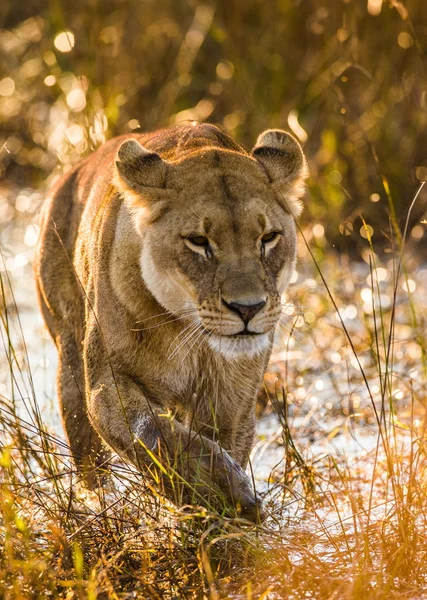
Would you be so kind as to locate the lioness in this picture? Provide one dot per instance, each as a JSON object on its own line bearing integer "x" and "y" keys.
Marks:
{"x": 160, "y": 268}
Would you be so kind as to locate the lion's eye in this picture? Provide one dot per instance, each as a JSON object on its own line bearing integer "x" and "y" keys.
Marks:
{"x": 198, "y": 240}
{"x": 269, "y": 237}
{"x": 199, "y": 244}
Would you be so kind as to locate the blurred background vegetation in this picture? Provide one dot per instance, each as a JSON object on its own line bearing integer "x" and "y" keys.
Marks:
{"x": 347, "y": 77}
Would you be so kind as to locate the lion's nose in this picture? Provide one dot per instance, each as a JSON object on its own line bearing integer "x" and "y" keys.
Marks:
{"x": 245, "y": 311}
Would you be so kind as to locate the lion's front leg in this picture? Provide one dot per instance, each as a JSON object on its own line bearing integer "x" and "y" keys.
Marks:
{"x": 231, "y": 424}
{"x": 244, "y": 436}
{"x": 194, "y": 468}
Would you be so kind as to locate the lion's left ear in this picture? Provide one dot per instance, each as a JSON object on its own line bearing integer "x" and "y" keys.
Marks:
{"x": 284, "y": 162}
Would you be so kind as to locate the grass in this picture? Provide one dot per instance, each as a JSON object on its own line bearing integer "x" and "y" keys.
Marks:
{"x": 344, "y": 477}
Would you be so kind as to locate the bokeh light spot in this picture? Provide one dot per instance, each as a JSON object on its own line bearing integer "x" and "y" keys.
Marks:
{"x": 76, "y": 100}
{"x": 405, "y": 40}
{"x": 64, "y": 41}
{"x": 7, "y": 86}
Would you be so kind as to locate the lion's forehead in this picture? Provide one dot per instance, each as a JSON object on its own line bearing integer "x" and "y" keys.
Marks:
{"x": 218, "y": 167}
{"x": 226, "y": 196}
{"x": 217, "y": 217}
{"x": 231, "y": 181}
{"x": 215, "y": 211}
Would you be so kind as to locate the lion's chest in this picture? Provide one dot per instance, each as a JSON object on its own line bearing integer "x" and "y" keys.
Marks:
{"x": 193, "y": 388}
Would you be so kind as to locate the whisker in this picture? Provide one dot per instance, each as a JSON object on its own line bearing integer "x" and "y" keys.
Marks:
{"x": 204, "y": 338}
{"x": 289, "y": 330}
{"x": 185, "y": 340}
{"x": 167, "y": 312}
{"x": 197, "y": 336}
{"x": 180, "y": 301}
{"x": 285, "y": 318}
{"x": 296, "y": 305}
{"x": 185, "y": 329}
{"x": 184, "y": 332}
{"x": 180, "y": 318}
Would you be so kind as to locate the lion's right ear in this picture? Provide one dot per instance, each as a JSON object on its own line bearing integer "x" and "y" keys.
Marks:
{"x": 141, "y": 178}
{"x": 139, "y": 168}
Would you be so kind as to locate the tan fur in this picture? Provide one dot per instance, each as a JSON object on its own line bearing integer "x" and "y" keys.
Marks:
{"x": 145, "y": 320}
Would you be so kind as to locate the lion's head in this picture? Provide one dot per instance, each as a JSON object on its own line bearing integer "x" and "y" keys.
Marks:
{"x": 218, "y": 232}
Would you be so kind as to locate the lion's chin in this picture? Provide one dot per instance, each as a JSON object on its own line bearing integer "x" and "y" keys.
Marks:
{"x": 232, "y": 347}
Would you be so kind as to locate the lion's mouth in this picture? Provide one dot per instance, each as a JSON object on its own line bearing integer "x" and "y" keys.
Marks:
{"x": 244, "y": 333}
{"x": 245, "y": 343}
